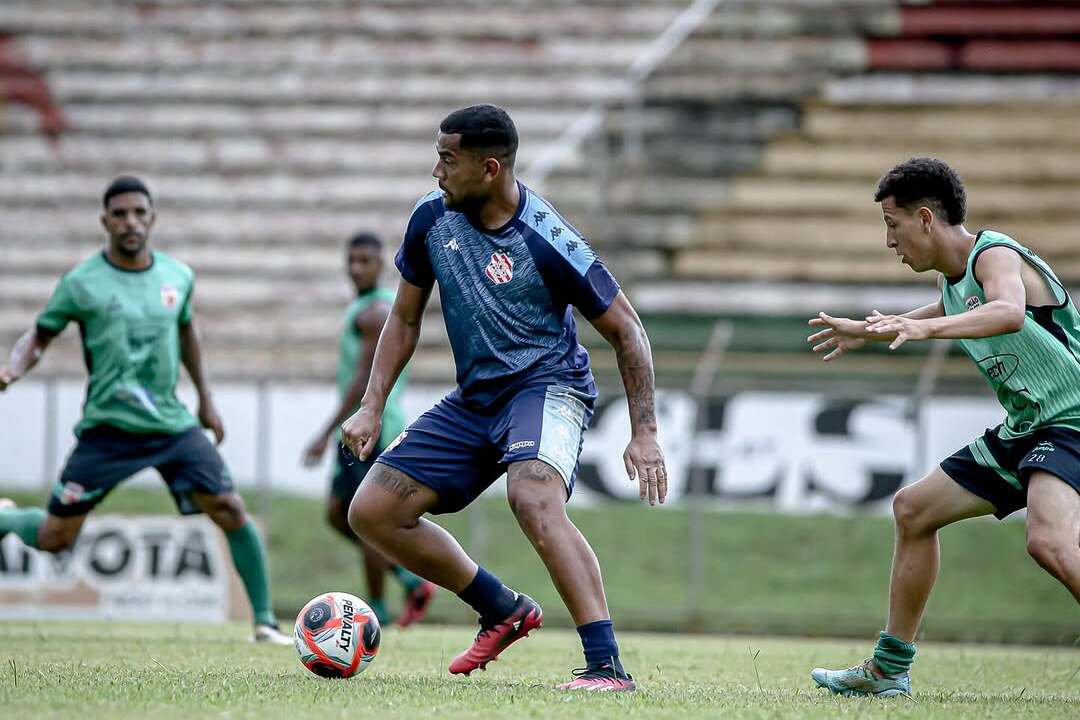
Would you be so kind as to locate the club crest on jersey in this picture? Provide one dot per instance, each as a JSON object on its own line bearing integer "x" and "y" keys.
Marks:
{"x": 973, "y": 302}
{"x": 501, "y": 268}
{"x": 170, "y": 296}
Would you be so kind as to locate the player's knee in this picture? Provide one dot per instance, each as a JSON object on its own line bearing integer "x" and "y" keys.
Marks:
{"x": 364, "y": 520}
{"x": 908, "y": 512}
{"x": 532, "y": 510}
{"x": 56, "y": 541}
{"x": 1046, "y": 549}
{"x": 227, "y": 511}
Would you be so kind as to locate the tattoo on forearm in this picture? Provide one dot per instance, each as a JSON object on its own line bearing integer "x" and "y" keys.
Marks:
{"x": 394, "y": 481}
{"x": 635, "y": 366}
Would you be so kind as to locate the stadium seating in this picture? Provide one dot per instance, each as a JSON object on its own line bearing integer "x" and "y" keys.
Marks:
{"x": 271, "y": 131}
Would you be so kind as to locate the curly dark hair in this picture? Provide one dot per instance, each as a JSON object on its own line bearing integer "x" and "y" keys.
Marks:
{"x": 925, "y": 181}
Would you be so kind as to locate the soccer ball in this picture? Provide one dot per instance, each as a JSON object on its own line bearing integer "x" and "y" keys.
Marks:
{"x": 337, "y": 635}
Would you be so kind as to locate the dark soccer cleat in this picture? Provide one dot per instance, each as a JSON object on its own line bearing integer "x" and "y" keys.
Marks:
{"x": 600, "y": 678}
{"x": 490, "y": 641}
{"x": 416, "y": 604}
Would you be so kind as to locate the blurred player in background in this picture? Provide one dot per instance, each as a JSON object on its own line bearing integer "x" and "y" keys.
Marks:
{"x": 133, "y": 307}
{"x": 364, "y": 320}
{"x": 1016, "y": 321}
{"x": 509, "y": 268}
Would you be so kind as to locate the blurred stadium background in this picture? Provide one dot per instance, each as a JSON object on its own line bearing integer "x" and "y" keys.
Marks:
{"x": 720, "y": 156}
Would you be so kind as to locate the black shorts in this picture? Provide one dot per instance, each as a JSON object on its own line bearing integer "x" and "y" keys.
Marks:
{"x": 999, "y": 470}
{"x": 348, "y": 472}
{"x": 105, "y": 456}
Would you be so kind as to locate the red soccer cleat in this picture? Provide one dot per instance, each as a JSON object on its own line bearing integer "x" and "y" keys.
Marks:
{"x": 416, "y": 604}
{"x": 600, "y": 678}
{"x": 490, "y": 641}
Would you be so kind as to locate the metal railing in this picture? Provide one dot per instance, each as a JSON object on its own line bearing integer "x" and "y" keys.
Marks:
{"x": 592, "y": 121}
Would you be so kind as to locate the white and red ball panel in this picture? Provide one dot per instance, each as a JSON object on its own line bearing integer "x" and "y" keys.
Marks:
{"x": 337, "y": 635}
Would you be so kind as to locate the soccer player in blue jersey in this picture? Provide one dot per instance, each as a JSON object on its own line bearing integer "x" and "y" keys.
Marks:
{"x": 509, "y": 268}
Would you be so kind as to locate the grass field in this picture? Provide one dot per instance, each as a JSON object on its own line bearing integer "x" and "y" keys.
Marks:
{"x": 119, "y": 671}
{"x": 765, "y": 574}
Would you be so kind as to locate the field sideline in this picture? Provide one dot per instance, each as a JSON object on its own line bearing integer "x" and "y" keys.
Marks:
{"x": 118, "y": 671}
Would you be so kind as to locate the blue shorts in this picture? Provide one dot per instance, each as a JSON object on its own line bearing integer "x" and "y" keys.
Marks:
{"x": 459, "y": 452}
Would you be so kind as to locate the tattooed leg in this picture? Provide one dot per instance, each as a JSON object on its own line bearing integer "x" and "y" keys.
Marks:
{"x": 387, "y": 512}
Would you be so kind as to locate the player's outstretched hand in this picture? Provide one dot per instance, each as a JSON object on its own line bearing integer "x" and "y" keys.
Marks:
{"x": 361, "y": 431}
{"x": 840, "y": 335}
{"x": 904, "y": 328}
{"x": 644, "y": 461}
{"x": 211, "y": 420}
{"x": 7, "y": 376}
{"x": 315, "y": 450}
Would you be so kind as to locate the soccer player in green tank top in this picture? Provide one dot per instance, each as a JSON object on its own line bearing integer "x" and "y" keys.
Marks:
{"x": 133, "y": 307}
{"x": 1014, "y": 319}
{"x": 364, "y": 319}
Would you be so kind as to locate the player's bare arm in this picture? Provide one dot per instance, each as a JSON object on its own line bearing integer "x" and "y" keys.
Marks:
{"x": 643, "y": 458}
{"x": 842, "y": 335}
{"x": 369, "y": 323}
{"x": 25, "y": 355}
{"x": 999, "y": 271}
{"x": 191, "y": 357}
{"x": 397, "y": 343}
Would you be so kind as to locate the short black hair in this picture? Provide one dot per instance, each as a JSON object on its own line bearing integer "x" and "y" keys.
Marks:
{"x": 484, "y": 127}
{"x": 125, "y": 184}
{"x": 365, "y": 239}
{"x": 925, "y": 180}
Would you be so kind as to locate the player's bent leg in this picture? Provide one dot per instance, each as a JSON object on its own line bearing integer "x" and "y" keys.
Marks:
{"x": 387, "y": 512}
{"x": 537, "y": 496}
{"x": 536, "y": 492}
{"x": 919, "y": 511}
{"x": 249, "y": 557}
{"x": 1053, "y": 528}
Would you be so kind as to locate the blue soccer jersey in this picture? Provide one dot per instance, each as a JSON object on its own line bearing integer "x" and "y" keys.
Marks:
{"x": 507, "y": 294}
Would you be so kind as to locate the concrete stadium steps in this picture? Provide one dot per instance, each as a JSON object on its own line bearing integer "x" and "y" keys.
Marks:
{"x": 807, "y": 212}
{"x": 354, "y": 192}
{"x": 976, "y": 161}
{"x": 951, "y": 88}
{"x": 182, "y": 230}
{"x": 1016, "y": 125}
{"x": 863, "y": 236}
{"x": 846, "y": 197}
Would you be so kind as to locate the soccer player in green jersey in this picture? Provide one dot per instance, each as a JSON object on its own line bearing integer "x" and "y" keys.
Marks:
{"x": 133, "y": 307}
{"x": 364, "y": 320}
{"x": 1015, "y": 320}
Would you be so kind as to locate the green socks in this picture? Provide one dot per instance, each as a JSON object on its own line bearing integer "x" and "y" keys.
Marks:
{"x": 24, "y": 522}
{"x": 408, "y": 580}
{"x": 250, "y": 561}
{"x": 892, "y": 655}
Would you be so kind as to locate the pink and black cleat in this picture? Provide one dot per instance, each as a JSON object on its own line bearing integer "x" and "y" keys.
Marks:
{"x": 600, "y": 678}
{"x": 490, "y": 641}
{"x": 416, "y": 604}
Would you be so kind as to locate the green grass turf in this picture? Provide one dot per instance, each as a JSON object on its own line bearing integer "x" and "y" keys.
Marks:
{"x": 117, "y": 671}
{"x": 765, "y": 573}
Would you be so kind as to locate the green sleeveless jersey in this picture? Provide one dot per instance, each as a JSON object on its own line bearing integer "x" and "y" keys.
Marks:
{"x": 129, "y": 321}
{"x": 1036, "y": 371}
{"x": 349, "y": 351}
